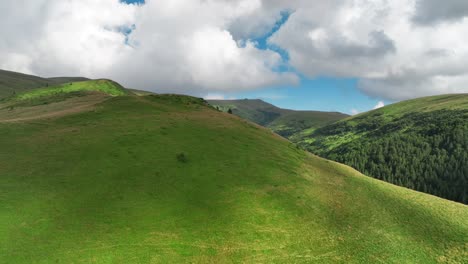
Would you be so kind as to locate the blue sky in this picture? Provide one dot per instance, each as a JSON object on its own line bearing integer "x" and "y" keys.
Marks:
{"x": 324, "y": 94}
{"x": 133, "y": 1}
{"x": 212, "y": 49}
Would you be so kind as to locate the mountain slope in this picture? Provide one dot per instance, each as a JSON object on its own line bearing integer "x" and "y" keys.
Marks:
{"x": 14, "y": 82}
{"x": 58, "y": 100}
{"x": 285, "y": 122}
{"x": 420, "y": 144}
{"x": 167, "y": 179}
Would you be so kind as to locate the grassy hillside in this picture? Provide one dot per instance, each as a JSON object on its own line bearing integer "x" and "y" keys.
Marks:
{"x": 14, "y": 82}
{"x": 167, "y": 179}
{"x": 103, "y": 86}
{"x": 287, "y": 123}
{"x": 58, "y": 100}
{"x": 420, "y": 144}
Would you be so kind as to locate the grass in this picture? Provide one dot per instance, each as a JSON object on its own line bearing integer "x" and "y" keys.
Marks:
{"x": 167, "y": 179}
{"x": 58, "y": 100}
{"x": 48, "y": 107}
{"x": 12, "y": 83}
{"x": 425, "y": 104}
{"x": 104, "y": 86}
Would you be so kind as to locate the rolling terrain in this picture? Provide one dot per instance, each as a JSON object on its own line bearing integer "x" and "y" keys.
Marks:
{"x": 420, "y": 144}
{"x": 58, "y": 100}
{"x": 14, "y": 82}
{"x": 168, "y": 179}
{"x": 285, "y": 122}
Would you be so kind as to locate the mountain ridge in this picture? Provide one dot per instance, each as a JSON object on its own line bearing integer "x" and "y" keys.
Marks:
{"x": 285, "y": 122}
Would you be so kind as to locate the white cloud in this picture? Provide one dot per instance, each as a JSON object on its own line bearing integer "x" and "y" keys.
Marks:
{"x": 378, "y": 42}
{"x": 435, "y": 11}
{"x": 212, "y": 96}
{"x": 53, "y": 37}
{"x": 396, "y": 49}
{"x": 380, "y": 104}
{"x": 176, "y": 46}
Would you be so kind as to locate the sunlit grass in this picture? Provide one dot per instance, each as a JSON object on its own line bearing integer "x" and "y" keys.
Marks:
{"x": 111, "y": 186}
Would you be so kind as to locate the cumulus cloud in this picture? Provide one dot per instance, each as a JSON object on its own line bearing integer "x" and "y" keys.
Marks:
{"x": 53, "y": 37}
{"x": 164, "y": 46}
{"x": 337, "y": 43}
{"x": 379, "y": 43}
{"x": 429, "y": 12}
{"x": 396, "y": 49}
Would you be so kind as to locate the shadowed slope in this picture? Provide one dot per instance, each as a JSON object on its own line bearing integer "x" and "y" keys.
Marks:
{"x": 14, "y": 82}
{"x": 285, "y": 122}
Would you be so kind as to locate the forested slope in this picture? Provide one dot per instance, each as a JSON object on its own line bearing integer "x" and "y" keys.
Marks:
{"x": 420, "y": 144}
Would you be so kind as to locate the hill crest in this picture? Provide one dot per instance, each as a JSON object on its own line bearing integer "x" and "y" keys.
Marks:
{"x": 15, "y": 82}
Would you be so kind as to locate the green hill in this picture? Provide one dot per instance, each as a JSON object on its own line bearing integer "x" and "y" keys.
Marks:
{"x": 14, "y": 82}
{"x": 167, "y": 179}
{"x": 58, "y": 100}
{"x": 285, "y": 122}
{"x": 104, "y": 86}
{"x": 420, "y": 144}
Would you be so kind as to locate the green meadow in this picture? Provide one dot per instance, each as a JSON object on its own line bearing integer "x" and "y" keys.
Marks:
{"x": 169, "y": 179}
{"x": 12, "y": 83}
{"x": 104, "y": 86}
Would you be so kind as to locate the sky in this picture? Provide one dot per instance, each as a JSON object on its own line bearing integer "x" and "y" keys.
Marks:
{"x": 349, "y": 56}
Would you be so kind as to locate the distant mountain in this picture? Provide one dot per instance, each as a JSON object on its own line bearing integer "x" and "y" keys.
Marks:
{"x": 14, "y": 82}
{"x": 287, "y": 123}
{"x": 92, "y": 173}
{"x": 421, "y": 144}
